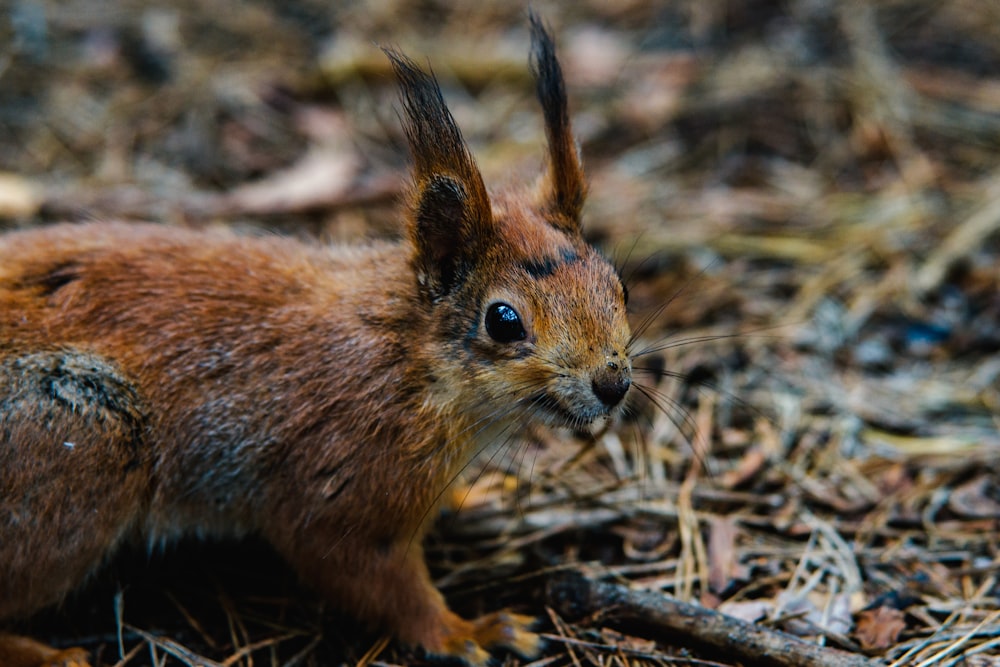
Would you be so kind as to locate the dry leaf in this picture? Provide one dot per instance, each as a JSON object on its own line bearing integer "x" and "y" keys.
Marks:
{"x": 977, "y": 498}
{"x": 879, "y": 628}
{"x": 722, "y": 558}
{"x": 749, "y": 611}
{"x": 18, "y": 196}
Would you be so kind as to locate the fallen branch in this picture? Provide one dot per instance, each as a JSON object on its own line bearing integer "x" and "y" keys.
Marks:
{"x": 574, "y": 595}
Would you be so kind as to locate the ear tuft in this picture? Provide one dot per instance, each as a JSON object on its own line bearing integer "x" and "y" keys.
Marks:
{"x": 451, "y": 215}
{"x": 563, "y": 187}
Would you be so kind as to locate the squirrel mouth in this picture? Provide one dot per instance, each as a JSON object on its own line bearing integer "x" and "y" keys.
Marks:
{"x": 549, "y": 406}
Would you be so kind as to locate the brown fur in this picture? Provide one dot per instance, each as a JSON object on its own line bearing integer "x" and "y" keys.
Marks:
{"x": 157, "y": 382}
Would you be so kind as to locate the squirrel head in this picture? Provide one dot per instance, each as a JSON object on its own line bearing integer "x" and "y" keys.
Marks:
{"x": 528, "y": 318}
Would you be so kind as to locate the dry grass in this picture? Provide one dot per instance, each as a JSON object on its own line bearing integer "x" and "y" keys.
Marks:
{"x": 804, "y": 198}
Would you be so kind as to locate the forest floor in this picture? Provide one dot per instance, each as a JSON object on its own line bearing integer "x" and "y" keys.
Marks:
{"x": 804, "y": 200}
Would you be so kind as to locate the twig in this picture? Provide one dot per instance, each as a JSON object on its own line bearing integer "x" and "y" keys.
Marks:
{"x": 175, "y": 649}
{"x": 630, "y": 652}
{"x": 574, "y": 595}
{"x": 127, "y": 657}
{"x": 965, "y": 239}
{"x": 950, "y": 649}
{"x": 372, "y": 653}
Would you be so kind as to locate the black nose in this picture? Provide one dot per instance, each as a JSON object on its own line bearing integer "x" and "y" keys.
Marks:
{"x": 611, "y": 385}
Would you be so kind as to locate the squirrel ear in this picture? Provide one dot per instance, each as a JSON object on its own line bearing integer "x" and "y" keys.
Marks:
{"x": 444, "y": 235}
{"x": 451, "y": 217}
{"x": 563, "y": 186}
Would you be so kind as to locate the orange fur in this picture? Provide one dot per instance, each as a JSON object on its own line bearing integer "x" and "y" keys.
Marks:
{"x": 157, "y": 382}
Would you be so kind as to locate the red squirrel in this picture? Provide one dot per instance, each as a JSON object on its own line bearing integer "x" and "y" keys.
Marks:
{"x": 158, "y": 382}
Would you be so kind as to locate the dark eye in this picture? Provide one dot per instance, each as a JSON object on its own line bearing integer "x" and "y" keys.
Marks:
{"x": 503, "y": 324}
{"x": 625, "y": 293}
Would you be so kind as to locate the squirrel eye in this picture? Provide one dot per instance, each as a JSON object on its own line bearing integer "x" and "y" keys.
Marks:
{"x": 503, "y": 324}
{"x": 625, "y": 293}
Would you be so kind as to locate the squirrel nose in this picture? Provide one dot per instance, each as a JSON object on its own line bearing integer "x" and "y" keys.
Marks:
{"x": 611, "y": 383}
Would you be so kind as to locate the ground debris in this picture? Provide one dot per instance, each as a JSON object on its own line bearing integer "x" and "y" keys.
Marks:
{"x": 802, "y": 198}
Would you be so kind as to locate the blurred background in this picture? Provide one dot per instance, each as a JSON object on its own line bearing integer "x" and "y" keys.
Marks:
{"x": 804, "y": 200}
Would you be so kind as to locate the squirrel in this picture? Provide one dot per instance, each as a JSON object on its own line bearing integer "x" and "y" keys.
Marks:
{"x": 158, "y": 382}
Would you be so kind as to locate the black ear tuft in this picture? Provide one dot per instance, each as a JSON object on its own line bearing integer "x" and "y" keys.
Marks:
{"x": 434, "y": 137}
{"x": 564, "y": 187}
{"x": 451, "y": 215}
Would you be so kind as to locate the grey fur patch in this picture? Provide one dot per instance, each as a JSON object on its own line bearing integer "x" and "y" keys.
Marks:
{"x": 56, "y": 386}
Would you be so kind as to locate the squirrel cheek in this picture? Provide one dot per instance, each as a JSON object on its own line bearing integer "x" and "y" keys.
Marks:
{"x": 527, "y": 377}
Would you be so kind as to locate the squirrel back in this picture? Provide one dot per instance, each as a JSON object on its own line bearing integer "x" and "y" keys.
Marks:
{"x": 157, "y": 382}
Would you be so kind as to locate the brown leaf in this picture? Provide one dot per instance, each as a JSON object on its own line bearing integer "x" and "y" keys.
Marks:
{"x": 750, "y": 611}
{"x": 320, "y": 178}
{"x": 977, "y": 498}
{"x": 722, "y": 558}
{"x": 879, "y": 628}
{"x": 748, "y": 467}
{"x": 19, "y": 197}
{"x": 628, "y": 642}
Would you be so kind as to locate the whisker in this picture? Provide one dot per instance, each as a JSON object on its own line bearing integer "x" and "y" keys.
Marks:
{"x": 531, "y": 474}
{"x": 489, "y": 466}
{"x": 620, "y": 265}
{"x": 697, "y": 440}
{"x": 528, "y": 388}
{"x": 685, "y": 424}
{"x": 516, "y": 464}
{"x": 702, "y": 385}
{"x": 648, "y": 320}
{"x": 682, "y": 342}
{"x": 483, "y": 422}
{"x": 638, "y": 267}
{"x": 635, "y": 415}
{"x": 748, "y": 334}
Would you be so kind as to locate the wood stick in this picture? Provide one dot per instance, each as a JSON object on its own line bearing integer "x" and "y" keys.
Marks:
{"x": 574, "y": 595}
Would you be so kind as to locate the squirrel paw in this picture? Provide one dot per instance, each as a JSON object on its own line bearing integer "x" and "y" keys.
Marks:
{"x": 71, "y": 657}
{"x": 466, "y": 650}
{"x": 470, "y": 641}
{"x": 508, "y": 630}
{"x": 17, "y": 651}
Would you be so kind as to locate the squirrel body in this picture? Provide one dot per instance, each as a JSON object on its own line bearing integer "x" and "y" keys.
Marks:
{"x": 157, "y": 382}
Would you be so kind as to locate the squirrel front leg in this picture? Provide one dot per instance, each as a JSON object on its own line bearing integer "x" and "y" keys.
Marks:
{"x": 388, "y": 585}
{"x": 418, "y": 615}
